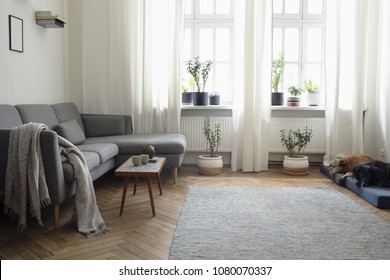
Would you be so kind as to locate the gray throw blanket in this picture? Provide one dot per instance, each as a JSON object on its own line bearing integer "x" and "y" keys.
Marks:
{"x": 25, "y": 179}
{"x": 89, "y": 220}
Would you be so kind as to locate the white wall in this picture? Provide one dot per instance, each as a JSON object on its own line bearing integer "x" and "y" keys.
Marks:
{"x": 39, "y": 74}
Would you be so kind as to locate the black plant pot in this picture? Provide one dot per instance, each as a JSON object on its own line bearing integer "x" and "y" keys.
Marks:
{"x": 200, "y": 98}
{"x": 277, "y": 99}
{"x": 214, "y": 100}
{"x": 186, "y": 98}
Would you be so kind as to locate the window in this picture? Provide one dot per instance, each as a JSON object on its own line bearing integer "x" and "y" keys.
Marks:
{"x": 299, "y": 32}
{"x": 209, "y": 36}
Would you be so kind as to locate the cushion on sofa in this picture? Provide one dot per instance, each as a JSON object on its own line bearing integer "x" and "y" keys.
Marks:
{"x": 38, "y": 113}
{"x": 9, "y": 116}
{"x": 71, "y": 131}
{"x": 108, "y": 125}
{"x": 164, "y": 143}
{"x": 104, "y": 150}
{"x": 68, "y": 111}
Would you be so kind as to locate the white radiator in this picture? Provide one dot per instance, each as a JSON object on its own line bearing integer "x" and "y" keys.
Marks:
{"x": 317, "y": 143}
{"x": 191, "y": 127}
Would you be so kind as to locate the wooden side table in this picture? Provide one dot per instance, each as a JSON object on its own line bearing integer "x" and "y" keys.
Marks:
{"x": 152, "y": 169}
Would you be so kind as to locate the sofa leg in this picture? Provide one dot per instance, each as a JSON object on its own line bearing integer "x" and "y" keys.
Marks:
{"x": 174, "y": 174}
{"x": 56, "y": 215}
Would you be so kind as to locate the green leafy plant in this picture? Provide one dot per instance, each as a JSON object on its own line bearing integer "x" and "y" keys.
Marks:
{"x": 212, "y": 135}
{"x": 295, "y": 91}
{"x": 199, "y": 71}
{"x": 187, "y": 84}
{"x": 310, "y": 86}
{"x": 277, "y": 71}
{"x": 295, "y": 141}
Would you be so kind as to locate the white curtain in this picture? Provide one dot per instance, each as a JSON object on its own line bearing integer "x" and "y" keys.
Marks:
{"x": 132, "y": 64}
{"x": 252, "y": 100}
{"x": 351, "y": 72}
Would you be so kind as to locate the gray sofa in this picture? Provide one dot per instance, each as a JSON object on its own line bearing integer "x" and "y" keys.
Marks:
{"x": 105, "y": 140}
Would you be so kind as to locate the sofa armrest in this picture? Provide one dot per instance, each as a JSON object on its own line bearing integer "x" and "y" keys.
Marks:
{"x": 53, "y": 167}
{"x": 51, "y": 162}
{"x": 106, "y": 125}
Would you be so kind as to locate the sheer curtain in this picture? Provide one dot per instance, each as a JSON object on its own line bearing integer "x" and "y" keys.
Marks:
{"x": 132, "y": 64}
{"x": 351, "y": 72}
{"x": 252, "y": 105}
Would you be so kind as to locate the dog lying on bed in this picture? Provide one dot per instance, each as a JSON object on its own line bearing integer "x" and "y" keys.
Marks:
{"x": 373, "y": 172}
{"x": 347, "y": 163}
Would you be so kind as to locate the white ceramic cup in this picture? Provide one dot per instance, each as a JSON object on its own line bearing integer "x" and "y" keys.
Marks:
{"x": 136, "y": 160}
{"x": 144, "y": 158}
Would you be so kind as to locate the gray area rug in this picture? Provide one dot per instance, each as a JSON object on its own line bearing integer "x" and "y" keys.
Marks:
{"x": 276, "y": 223}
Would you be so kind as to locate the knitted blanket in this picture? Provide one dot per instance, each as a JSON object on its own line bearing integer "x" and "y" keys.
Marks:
{"x": 89, "y": 220}
{"x": 25, "y": 178}
{"x": 25, "y": 162}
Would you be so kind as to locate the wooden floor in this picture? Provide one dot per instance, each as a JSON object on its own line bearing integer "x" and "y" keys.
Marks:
{"x": 136, "y": 234}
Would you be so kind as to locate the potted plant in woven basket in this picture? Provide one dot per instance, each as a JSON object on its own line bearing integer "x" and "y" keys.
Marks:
{"x": 211, "y": 164}
{"x": 295, "y": 141}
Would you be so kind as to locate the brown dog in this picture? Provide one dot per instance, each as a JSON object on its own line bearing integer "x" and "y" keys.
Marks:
{"x": 347, "y": 163}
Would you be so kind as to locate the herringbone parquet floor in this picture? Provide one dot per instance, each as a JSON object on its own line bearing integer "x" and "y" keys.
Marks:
{"x": 136, "y": 234}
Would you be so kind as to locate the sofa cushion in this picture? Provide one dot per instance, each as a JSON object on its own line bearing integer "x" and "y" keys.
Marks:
{"x": 108, "y": 125}
{"x": 38, "y": 113}
{"x": 93, "y": 160}
{"x": 9, "y": 116}
{"x": 71, "y": 131}
{"x": 104, "y": 150}
{"x": 67, "y": 111}
{"x": 165, "y": 143}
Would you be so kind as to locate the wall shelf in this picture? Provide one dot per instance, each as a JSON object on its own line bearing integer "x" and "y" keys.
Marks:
{"x": 47, "y": 20}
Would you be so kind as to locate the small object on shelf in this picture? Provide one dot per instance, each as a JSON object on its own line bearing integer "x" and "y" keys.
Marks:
{"x": 46, "y": 19}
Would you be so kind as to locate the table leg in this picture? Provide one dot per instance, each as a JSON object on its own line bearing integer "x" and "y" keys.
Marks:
{"x": 159, "y": 183}
{"x": 135, "y": 185}
{"x": 151, "y": 195}
{"x": 126, "y": 182}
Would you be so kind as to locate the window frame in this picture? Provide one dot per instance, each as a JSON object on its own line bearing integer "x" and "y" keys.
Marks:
{"x": 195, "y": 21}
{"x": 303, "y": 21}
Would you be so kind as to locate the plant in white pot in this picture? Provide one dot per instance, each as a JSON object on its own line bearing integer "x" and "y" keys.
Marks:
{"x": 211, "y": 164}
{"x": 295, "y": 141}
{"x": 295, "y": 96}
{"x": 199, "y": 70}
{"x": 314, "y": 92}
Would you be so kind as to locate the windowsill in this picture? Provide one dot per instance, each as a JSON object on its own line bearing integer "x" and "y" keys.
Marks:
{"x": 273, "y": 108}
{"x": 207, "y": 107}
{"x": 298, "y": 108}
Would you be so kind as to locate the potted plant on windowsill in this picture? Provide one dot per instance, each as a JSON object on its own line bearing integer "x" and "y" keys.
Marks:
{"x": 277, "y": 71}
{"x": 295, "y": 141}
{"x": 186, "y": 95}
{"x": 214, "y": 98}
{"x": 211, "y": 164}
{"x": 295, "y": 98}
{"x": 314, "y": 92}
{"x": 200, "y": 73}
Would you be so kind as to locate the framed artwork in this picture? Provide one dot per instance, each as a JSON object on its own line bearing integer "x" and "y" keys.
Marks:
{"x": 15, "y": 34}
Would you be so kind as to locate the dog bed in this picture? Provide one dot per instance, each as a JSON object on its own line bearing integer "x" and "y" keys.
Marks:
{"x": 376, "y": 195}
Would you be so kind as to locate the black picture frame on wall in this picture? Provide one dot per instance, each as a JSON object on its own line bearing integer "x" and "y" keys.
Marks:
{"x": 15, "y": 33}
